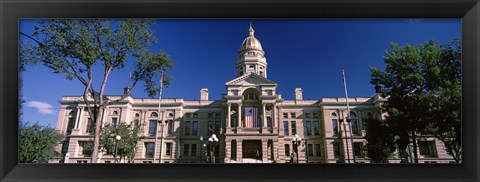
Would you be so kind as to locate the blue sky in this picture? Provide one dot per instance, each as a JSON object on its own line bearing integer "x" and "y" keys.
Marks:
{"x": 305, "y": 53}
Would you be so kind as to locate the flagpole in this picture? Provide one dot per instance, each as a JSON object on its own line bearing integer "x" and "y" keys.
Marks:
{"x": 158, "y": 121}
{"x": 348, "y": 114}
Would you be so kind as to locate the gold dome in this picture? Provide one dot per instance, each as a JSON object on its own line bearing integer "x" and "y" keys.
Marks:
{"x": 251, "y": 42}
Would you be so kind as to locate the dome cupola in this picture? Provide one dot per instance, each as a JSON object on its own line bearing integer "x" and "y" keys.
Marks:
{"x": 251, "y": 58}
{"x": 251, "y": 43}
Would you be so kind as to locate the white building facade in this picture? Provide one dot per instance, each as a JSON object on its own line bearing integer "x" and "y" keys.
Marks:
{"x": 252, "y": 122}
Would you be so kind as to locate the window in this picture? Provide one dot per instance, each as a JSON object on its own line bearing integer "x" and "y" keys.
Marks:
{"x": 218, "y": 115}
{"x": 154, "y": 114}
{"x": 65, "y": 147}
{"x": 310, "y": 150}
{"x": 185, "y": 149}
{"x": 210, "y": 128}
{"x": 336, "y": 149}
{"x": 427, "y": 148}
{"x": 170, "y": 127}
{"x": 287, "y": 150}
{"x": 81, "y": 161}
{"x": 90, "y": 126}
{"x": 194, "y": 150}
{"x": 87, "y": 147}
{"x": 70, "y": 125}
{"x": 309, "y": 127}
{"x": 316, "y": 128}
{"x": 210, "y": 115}
{"x": 233, "y": 122}
{"x": 292, "y": 115}
{"x": 233, "y": 151}
{"x": 168, "y": 149}
{"x": 188, "y": 115}
{"x": 294, "y": 127}
{"x": 285, "y": 115}
{"x": 318, "y": 152}
{"x": 334, "y": 114}
{"x": 353, "y": 114}
{"x": 195, "y": 128}
{"x": 115, "y": 113}
{"x": 149, "y": 149}
{"x": 107, "y": 162}
{"x": 114, "y": 122}
{"x": 358, "y": 148}
{"x": 195, "y": 115}
{"x": 353, "y": 123}
{"x": 285, "y": 128}
{"x": 152, "y": 128}
{"x": 335, "y": 126}
{"x": 217, "y": 127}
{"x": 315, "y": 115}
{"x": 307, "y": 115}
{"x": 187, "y": 128}
{"x": 269, "y": 122}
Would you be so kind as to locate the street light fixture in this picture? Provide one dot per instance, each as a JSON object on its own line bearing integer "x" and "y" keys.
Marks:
{"x": 296, "y": 140}
{"x": 117, "y": 138}
{"x": 202, "y": 145}
{"x": 306, "y": 149}
{"x": 213, "y": 140}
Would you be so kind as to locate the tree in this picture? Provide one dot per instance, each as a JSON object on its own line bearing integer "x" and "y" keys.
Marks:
{"x": 37, "y": 143}
{"x": 379, "y": 145}
{"x": 126, "y": 146}
{"x": 422, "y": 85}
{"x": 74, "y": 47}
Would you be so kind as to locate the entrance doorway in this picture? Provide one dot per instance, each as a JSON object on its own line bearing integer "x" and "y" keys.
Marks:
{"x": 252, "y": 149}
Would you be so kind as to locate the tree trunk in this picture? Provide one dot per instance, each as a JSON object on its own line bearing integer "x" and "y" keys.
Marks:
{"x": 414, "y": 141}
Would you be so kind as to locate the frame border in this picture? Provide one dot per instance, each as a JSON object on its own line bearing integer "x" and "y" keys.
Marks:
{"x": 12, "y": 11}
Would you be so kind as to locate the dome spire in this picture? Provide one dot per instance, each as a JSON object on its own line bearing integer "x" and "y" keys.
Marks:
{"x": 250, "y": 30}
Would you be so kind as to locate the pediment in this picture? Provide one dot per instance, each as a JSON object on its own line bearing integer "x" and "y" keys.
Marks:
{"x": 251, "y": 79}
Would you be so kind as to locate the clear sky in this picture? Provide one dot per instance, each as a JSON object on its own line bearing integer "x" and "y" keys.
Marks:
{"x": 305, "y": 53}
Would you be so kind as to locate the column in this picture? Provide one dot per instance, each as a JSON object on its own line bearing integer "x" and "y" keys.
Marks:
{"x": 79, "y": 113}
{"x": 264, "y": 116}
{"x": 239, "y": 149}
{"x": 264, "y": 150}
{"x": 228, "y": 149}
{"x": 228, "y": 116}
{"x": 239, "y": 120}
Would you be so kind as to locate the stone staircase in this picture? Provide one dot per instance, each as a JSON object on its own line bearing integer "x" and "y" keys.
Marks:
{"x": 249, "y": 160}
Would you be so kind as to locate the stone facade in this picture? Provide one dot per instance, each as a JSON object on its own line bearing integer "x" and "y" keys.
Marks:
{"x": 317, "y": 122}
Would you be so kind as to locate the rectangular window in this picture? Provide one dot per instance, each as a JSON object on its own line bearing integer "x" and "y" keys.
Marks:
{"x": 233, "y": 122}
{"x": 285, "y": 115}
{"x": 114, "y": 122}
{"x": 287, "y": 150}
{"x": 90, "y": 126}
{"x": 170, "y": 127}
{"x": 316, "y": 128}
{"x": 194, "y": 150}
{"x": 218, "y": 116}
{"x": 318, "y": 152}
{"x": 210, "y": 128}
{"x": 168, "y": 149}
{"x": 187, "y": 128}
{"x": 188, "y": 115}
{"x": 195, "y": 115}
{"x": 353, "y": 123}
{"x": 336, "y": 149}
{"x": 149, "y": 149}
{"x": 269, "y": 122}
{"x": 310, "y": 150}
{"x": 309, "y": 127}
{"x": 195, "y": 128}
{"x": 217, "y": 127}
{"x": 185, "y": 149}
{"x": 292, "y": 115}
{"x": 87, "y": 147}
{"x": 285, "y": 128}
{"x": 335, "y": 126}
{"x": 307, "y": 115}
{"x": 210, "y": 115}
{"x": 70, "y": 125}
{"x": 152, "y": 127}
{"x": 294, "y": 127}
{"x": 358, "y": 148}
{"x": 65, "y": 147}
{"x": 315, "y": 115}
{"x": 427, "y": 148}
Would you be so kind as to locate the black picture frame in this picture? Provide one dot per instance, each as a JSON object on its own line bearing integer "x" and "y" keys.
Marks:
{"x": 12, "y": 11}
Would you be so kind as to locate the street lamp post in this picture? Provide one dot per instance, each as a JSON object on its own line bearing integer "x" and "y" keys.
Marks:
{"x": 296, "y": 140}
{"x": 117, "y": 138}
{"x": 213, "y": 140}
{"x": 306, "y": 149}
{"x": 397, "y": 140}
{"x": 202, "y": 146}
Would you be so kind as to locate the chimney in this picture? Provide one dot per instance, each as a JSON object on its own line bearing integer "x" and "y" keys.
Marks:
{"x": 204, "y": 94}
{"x": 298, "y": 94}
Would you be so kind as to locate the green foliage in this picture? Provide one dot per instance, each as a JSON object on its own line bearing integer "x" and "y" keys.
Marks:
{"x": 380, "y": 141}
{"x": 422, "y": 85}
{"x": 37, "y": 143}
{"x": 126, "y": 145}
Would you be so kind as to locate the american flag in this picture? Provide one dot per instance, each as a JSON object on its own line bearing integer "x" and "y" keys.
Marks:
{"x": 251, "y": 117}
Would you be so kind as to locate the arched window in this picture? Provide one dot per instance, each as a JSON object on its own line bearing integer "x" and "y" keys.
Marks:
{"x": 334, "y": 114}
{"x": 353, "y": 114}
{"x": 115, "y": 113}
{"x": 154, "y": 114}
{"x": 137, "y": 115}
{"x": 71, "y": 113}
{"x": 170, "y": 115}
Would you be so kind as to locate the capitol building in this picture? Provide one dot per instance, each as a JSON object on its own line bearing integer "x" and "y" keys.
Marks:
{"x": 251, "y": 121}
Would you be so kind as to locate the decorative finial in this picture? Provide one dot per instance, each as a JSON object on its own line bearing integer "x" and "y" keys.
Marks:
{"x": 250, "y": 30}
